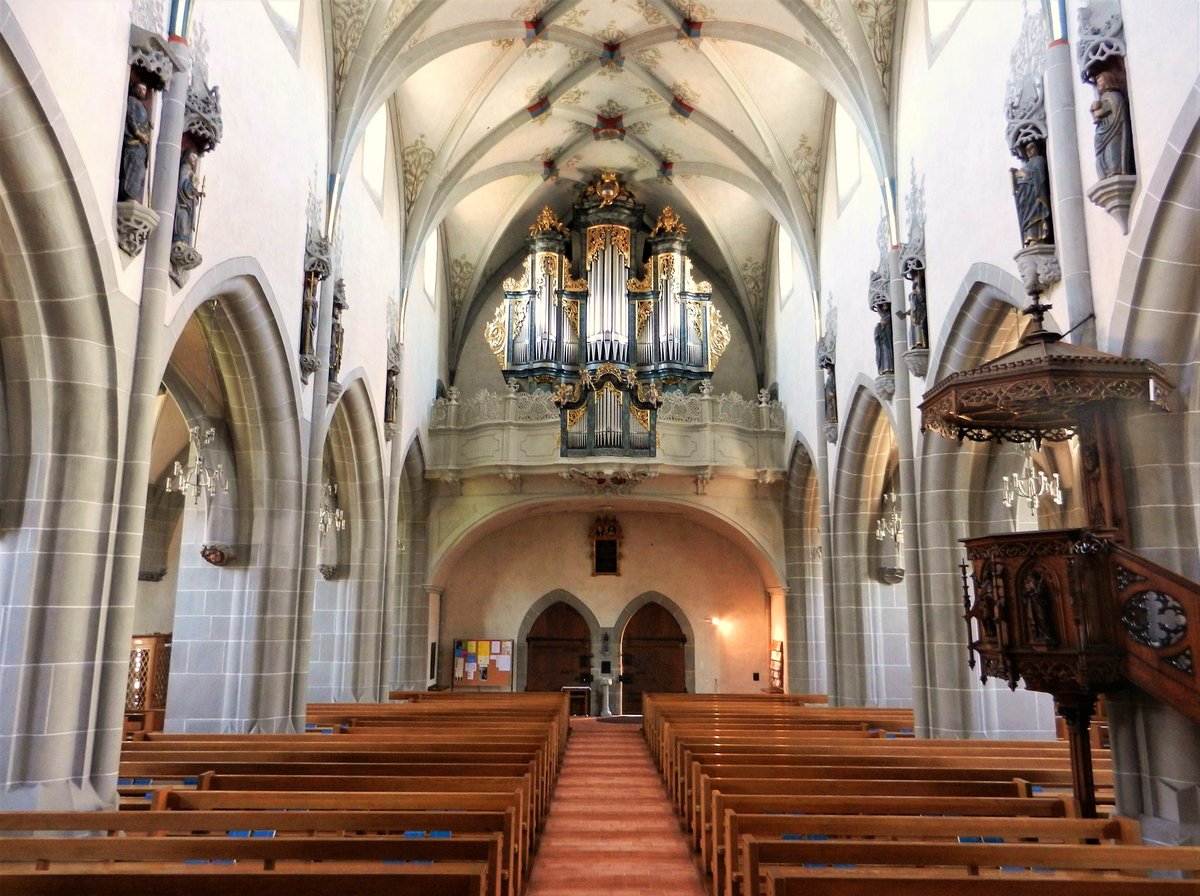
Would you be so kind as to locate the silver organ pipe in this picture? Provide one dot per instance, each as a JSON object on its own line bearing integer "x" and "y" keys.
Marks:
{"x": 607, "y": 340}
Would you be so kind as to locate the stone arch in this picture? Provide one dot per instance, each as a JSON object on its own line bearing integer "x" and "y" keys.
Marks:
{"x": 346, "y": 661}
{"x": 228, "y": 673}
{"x": 685, "y": 624}
{"x": 955, "y": 500}
{"x": 866, "y": 612}
{"x": 59, "y": 485}
{"x": 805, "y": 602}
{"x": 1155, "y": 317}
{"x": 411, "y": 616}
{"x": 539, "y": 606}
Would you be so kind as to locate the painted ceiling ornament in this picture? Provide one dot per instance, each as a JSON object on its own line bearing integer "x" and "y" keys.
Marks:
{"x": 349, "y": 19}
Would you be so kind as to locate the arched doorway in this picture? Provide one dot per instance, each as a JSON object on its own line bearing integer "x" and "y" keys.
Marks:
{"x": 652, "y": 660}
{"x": 558, "y": 649}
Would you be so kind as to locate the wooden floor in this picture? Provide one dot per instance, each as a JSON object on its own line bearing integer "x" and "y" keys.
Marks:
{"x": 611, "y": 829}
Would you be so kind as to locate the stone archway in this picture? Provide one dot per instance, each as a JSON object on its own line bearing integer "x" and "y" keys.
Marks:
{"x": 652, "y": 656}
{"x": 558, "y": 649}
{"x": 681, "y": 621}
{"x": 805, "y": 649}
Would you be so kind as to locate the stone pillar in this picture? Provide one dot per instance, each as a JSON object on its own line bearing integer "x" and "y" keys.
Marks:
{"x": 834, "y": 685}
{"x": 779, "y": 624}
{"x": 313, "y": 494}
{"x": 1066, "y": 178}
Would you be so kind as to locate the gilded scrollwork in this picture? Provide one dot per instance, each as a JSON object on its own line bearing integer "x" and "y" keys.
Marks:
{"x": 574, "y": 415}
{"x": 645, "y": 283}
{"x": 601, "y": 235}
{"x": 493, "y": 332}
{"x": 718, "y": 337}
{"x": 644, "y": 308}
{"x": 520, "y": 310}
{"x": 547, "y": 222}
{"x": 667, "y": 269}
{"x": 571, "y": 307}
{"x": 669, "y": 223}
{"x": 512, "y": 284}
{"x": 548, "y": 264}
{"x": 642, "y": 416}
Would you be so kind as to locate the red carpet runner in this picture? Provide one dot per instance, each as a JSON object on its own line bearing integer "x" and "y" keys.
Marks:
{"x": 611, "y": 829}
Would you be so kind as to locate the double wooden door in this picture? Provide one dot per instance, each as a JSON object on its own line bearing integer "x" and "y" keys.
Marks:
{"x": 652, "y": 657}
{"x": 558, "y": 649}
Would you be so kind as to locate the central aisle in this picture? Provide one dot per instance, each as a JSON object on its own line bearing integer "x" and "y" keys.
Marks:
{"x": 611, "y": 830}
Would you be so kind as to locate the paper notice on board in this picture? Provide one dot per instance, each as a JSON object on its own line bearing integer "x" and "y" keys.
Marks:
{"x": 459, "y": 666}
{"x": 504, "y": 662}
{"x": 483, "y": 660}
{"x": 495, "y": 647}
{"x": 471, "y": 671}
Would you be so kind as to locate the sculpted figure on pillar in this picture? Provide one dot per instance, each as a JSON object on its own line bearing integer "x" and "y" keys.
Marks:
{"x": 187, "y": 201}
{"x": 1031, "y": 192}
{"x": 1114, "y": 129}
{"x": 135, "y": 152}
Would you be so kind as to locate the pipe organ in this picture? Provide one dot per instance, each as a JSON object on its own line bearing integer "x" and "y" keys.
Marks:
{"x": 608, "y": 343}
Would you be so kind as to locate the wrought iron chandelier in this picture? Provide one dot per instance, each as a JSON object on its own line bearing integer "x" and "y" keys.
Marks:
{"x": 891, "y": 524}
{"x": 332, "y": 516}
{"x": 198, "y": 477}
{"x": 1031, "y": 484}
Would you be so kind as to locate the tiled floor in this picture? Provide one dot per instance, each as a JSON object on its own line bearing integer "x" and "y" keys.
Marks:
{"x": 611, "y": 829}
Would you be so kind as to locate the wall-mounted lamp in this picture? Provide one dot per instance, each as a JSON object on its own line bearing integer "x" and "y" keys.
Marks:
{"x": 715, "y": 620}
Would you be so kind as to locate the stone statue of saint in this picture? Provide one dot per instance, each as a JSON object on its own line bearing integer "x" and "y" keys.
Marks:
{"x": 187, "y": 200}
{"x": 135, "y": 152}
{"x": 391, "y": 397}
{"x": 308, "y": 320}
{"x": 831, "y": 412}
{"x": 1114, "y": 130}
{"x": 885, "y": 357}
{"x": 1039, "y": 608}
{"x": 336, "y": 338}
{"x": 1031, "y": 191}
{"x": 918, "y": 318}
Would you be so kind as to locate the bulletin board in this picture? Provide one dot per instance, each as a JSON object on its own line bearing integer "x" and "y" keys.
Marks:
{"x": 483, "y": 663}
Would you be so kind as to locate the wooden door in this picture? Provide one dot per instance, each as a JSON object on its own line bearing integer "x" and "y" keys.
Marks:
{"x": 558, "y": 649}
{"x": 651, "y": 657}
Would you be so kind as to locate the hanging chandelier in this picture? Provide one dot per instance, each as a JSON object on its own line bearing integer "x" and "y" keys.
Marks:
{"x": 1031, "y": 484}
{"x": 891, "y": 524}
{"x": 198, "y": 477}
{"x": 332, "y": 517}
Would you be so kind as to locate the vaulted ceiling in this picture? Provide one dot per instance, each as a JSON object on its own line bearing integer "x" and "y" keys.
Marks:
{"x": 719, "y": 109}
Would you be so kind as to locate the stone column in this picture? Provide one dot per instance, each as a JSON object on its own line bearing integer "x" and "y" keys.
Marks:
{"x": 779, "y": 625}
{"x": 143, "y": 394}
{"x": 313, "y": 493}
{"x": 1066, "y": 179}
{"x": 834, "y": 686}
{"x": 902, "y": 405}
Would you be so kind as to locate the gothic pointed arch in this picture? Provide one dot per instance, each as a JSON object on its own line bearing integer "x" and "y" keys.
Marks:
{"x": 866, "y": 618}
{"x": 982, "y": 323}
{"x": 586, "y": 635}
{"x": 346, "y": 660}
{"x": 805, "y": 648}
{"x": 409, "y": 602}
{"x": 59, "y": 481}
{"x": 659, "y": 605}
{"x": 223, "y": 677}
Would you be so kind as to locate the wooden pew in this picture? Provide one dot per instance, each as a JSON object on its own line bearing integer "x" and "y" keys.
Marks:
{"x": 755, "y": 848}
{"x": 715, "y": 848}
{"x": 908, "y": 827}
{"x": 1048, "y": 780}
{"x": 1010, "y": 861}
{"x": 793, "y": 882}
{"x": 285, "y": 802}
{"x": 447, "y": 879}
{"x": 335, "y": 854}
{"x": 703, "y": 826}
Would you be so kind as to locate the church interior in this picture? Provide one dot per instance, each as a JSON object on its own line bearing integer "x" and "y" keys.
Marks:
{"x": 637, "y": 357}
